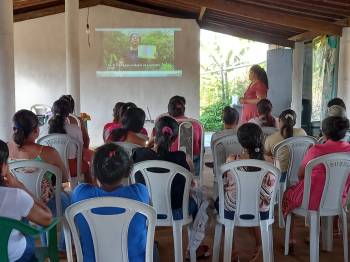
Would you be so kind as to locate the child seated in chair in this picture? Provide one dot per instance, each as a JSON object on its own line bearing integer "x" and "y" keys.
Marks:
{"x": 18, "y": 203}
{"x": 110, "y": 165}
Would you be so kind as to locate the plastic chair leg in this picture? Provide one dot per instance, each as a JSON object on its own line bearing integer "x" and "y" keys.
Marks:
{"x": 327, "y": 233}
{"x": 217, "y": 242}
{"x": 228, "y": 242}
{"x": 287, "y": 235}
{"x": 68, "y": 240}
{"x": 281, "y": 222}
{"x": 177, "y": 234}
{"x": 193, "y": 257}
{"x": 345, "y": 236}
{"x": 265, "y": 241}
{"x": 271, "y": 242}
{"x": 314, "y": 236}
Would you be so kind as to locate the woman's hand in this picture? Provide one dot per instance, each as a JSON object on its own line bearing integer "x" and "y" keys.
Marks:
{"x": 241, "y": 100}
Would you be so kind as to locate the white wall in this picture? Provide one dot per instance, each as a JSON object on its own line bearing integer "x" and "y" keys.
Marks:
{"x": 40, "y": 66}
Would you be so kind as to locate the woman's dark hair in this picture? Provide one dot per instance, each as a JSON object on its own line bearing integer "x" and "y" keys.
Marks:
{"x": 125, "y": 108}
{"x": 260, "y": 74}
{"x": 264, "y": 107}
{"x": 4, "y": 155}
{"x": 116, "y": 111}
{"x": 334, "y": 128}
{"x": 133, "y": 120}
{"x": 288, "y": 118}
{"x": 250, "y": 136}
{"x": 230, "y": 116}
{"x": 24, "y": 123}
{"x": 166, "y": 132}
{"x": 60, "y": 110}
{"x": 71, "y": 102}
{"x": 176, "y": 106}
{"x": 111, "y": 163}
{"x": 336, "y": 102}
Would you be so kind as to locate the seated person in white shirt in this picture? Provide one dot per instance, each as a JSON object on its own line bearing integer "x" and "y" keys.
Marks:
{"x": 230, "y": 117}
{"x": 18, "y": 203}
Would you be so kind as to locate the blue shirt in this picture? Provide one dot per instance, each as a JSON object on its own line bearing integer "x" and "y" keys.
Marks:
{"x": 137, "y": 230}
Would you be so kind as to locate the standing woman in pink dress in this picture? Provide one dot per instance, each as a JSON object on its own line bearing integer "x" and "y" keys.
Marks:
{"x": 256, "y": 91}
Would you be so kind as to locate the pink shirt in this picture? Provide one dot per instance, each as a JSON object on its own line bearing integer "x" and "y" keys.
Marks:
{"x": 255, "y": 90}
{"x": 197, "y": 137}
{"x": 318, "y": 177}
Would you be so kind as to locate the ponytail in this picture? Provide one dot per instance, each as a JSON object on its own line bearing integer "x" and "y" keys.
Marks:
{"x": 119, "y": 135}
{"x": 288, "y": 119}
{"x": 60, "y": 109}
{"x": 167, "y": 130}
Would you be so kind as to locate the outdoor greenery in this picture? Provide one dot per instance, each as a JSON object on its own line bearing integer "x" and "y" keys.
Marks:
{"x": 224, "y": 74}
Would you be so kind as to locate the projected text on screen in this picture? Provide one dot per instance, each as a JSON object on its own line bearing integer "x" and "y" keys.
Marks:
{"x": 138, "y": 52}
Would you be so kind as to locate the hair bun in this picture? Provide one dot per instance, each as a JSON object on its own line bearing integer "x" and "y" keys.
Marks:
{"x": 167, "y": 131}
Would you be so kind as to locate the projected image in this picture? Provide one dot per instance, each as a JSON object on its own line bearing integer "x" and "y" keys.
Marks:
{"x": 138, "y": 52}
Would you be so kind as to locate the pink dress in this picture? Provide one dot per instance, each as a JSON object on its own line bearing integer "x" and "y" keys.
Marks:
{"x": 293, "y": 197}
{"x": 255, "y": 90}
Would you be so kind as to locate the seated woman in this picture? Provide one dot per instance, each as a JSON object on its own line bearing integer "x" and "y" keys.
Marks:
{"x": 166, "y": 132}
{"x": 58, "y": 124}
{"x": 264, "y": 119}
{"x": 18, "y": 203}
{"x": 287, "y": 121}
{"x": 334, "y": 128}
{"x": 176, "y": 109}
{"x": 116, "y": 123}
{"x": 110, "y": 127}
{"x": 230, "y": 118}
{"x": 111, "y": 164}
{"x": 23, "y": 147}
{"x": 132, "y": 121}
{"x": 250, "y": 136}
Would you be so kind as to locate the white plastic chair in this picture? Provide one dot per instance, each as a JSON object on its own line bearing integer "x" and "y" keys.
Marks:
{"x": 75, "y": 118}
{"x": 186, "y": 138}
{"x": 248, "y": 186}
{"x": 222, "y": 148}
{"x": 159, "y": 187}
{"x": 31, "y": 174}
{"x": 63, "y": 143}
{"x": 109, "y": 232}
{"x": 40, "y": 109}
{"x": 297, "y": 148}
{"x": 181, "y": 146}
{"x": 337, "y": 167}
{"x": 128, "y": 147}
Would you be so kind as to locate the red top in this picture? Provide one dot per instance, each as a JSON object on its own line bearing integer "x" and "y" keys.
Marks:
{"x": 197, "y": 137}
{"x": 255, "y": 90}
{"x": 109, "y": 127}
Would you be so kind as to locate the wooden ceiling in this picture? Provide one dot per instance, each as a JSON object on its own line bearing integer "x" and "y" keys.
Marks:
{"x": 279, "y": 22}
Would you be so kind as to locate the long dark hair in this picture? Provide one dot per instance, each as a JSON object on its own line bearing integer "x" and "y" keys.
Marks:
{"x": 251, "y": 137}
{"x": 116, "y": 111}
{"x": 133, "y": 120}
{"x": 60, "y": 110}
{"x": 288, "y": 118}
{"x": 4, "y": 155}
{"x": 166, "y": 132}
{"x": 71, "y": 102}
{"x": 260, "y": 74}
{"x": 264, "y": 107}
{"x": 24, "y": 123}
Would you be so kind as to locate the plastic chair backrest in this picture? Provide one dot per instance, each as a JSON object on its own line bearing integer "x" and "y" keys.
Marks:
{"x": 110, "y": 232}
{"x": 337, "y": 166}
{"x": 128, "y": 147}
{"x": 75, "y": 118}
{"x": 223, "y": 147}
{"x": 268, "y": 130}
{"x": 62, "y": 143}
{"x": 40, "y": 109}
{"x": 32, "y": 172}
{"x": 297, "y": 148}
{"x": 248, "y": 186}
{"x": 158, "y": 176}
{"x": 186, "y": 138}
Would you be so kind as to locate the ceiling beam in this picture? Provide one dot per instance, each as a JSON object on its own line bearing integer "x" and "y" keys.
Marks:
{"x": 201, "y": 13}
{"x": 303, "y": 37}
{"x": 269, "y": 15}
{"x": 247, "y": 34}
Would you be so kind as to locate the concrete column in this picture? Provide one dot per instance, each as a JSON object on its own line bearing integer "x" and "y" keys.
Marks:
{"x": 344, "y": 68}
{"x": 297, "y": 80}
{"x": 72, "y": 51}
{"x": 7, "y": 75}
